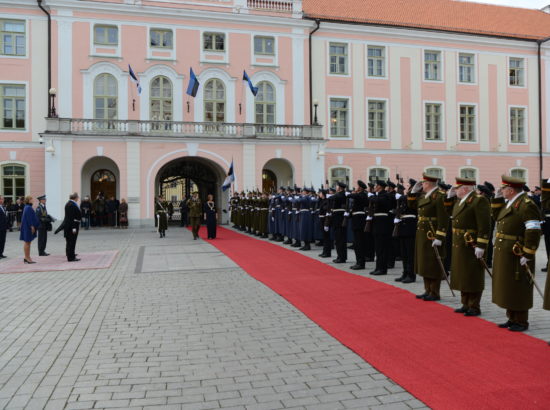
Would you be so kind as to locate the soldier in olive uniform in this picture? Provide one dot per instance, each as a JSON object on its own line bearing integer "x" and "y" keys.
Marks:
{"x": 518, "y": 225}
{"x": 471, "y": 216}
{"x": 195, "y": 213}
{"x": 432, "y": 217}
{"x": 545, "y": 200}
{"x": 161, "y": 216}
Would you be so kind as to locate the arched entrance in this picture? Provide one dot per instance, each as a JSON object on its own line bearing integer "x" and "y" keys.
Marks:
{"x": 277, "y": 172}
{"x": 177, "y": 180}
{"x": 100, "y": 174}
{"x": 103, "y": 181}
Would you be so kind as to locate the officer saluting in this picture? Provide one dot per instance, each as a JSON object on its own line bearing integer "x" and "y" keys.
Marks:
{"x": 517, "y": 240}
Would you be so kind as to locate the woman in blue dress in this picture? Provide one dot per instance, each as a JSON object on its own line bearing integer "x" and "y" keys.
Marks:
{"x": 29, "y": 225}
{"x": 210, "y": 216}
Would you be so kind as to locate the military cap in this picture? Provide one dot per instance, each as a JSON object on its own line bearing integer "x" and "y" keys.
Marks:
{"x": 371, "y": 185}
{"x": 464, "y": 181}
{"x": 331, "y": 189}
{"x": 412, "y": 181}
{"x": 400, "y": 186}
{"x": 484, "y": 189}
{"x": 508, "y": 181}
{"x": 490, "y": 186}
{"x": 362, "y": 184}
{"x": 381, "y": 183}
{"x": 537, "y": 188}
{"x": 40, "y": 198}
{"x": 429, "y": 178}
{"x": 306, "y": 189}
{"x": 526, "y": 188}
{"x": 391, "y": 184}
{"x": 342, "y": 185}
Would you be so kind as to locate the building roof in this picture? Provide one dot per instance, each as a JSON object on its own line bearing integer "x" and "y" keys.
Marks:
{"x": 445, "y": 15}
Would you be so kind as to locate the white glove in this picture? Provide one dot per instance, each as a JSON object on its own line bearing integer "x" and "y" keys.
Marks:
{"x": 346, "y": 213}
{"x": 451, "y": 192}
{"x": 74, "y": 230}
{"x": 479, "y": 252}
{"x": 498, "y": 194}
{"x": 370, "y": 194}
{"x": 296, "y": 212}
{"x": 437, "y": 242}
{"x": 326, "y": 228}
{"x": 296, "y": 196}
{"x": 329, "y": 213}
{"x": 347, "y": 193}
{"x": 272, "y": 219}
{"x": 396, "y": 220}
{"x": 417, "y": 187}
{"x": 523, "y": 261}
{"x": 369, "y": 218}
{"x": 397, "y": 196}
{"x": 548, "y": 181}
{"x": 283, "y": 197}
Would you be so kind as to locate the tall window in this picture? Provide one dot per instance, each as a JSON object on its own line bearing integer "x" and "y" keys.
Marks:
{"x": 161, "y": 38}
{"x": 105, "y": 35}
{"x": 378, "y": 173}
{"x": 105, "y": 97}
{"x": 432, "y": 65}
{"x": 214, "y": 101}
{"x": 213, "y": 42}
{"x": 13, "y": 181}
{"x": 376, "y": 61}
{"x": 12, "y": 37}
{"x": 339, "y": 111}
{"x": 12, "y": 99}
{"x": 519, "y": 173}
{"x": 265, "y": 106}
{"x": 161, "y": 101}
{"x": 338, "y": 58}
{"x": 264, "y": 45}
{"x": 517, "y": 125}
{"x": 433, "y": 122}
{"x": 377, "y": 119}
{"x": 436, "y": 172}
{"x": 468, "y": 123}
{"x": 466, "y": 68}
{"x": 517, "y": 72}
{"x": 339, "y": 175}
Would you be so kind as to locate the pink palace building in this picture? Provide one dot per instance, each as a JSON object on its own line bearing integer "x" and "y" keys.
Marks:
{"x": 346, "y": 90}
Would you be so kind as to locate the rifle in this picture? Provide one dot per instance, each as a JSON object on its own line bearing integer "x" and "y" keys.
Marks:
{"x": 370, "y": 214}
{"x": 395, "y": 232}
{"x": 349, "y": 205}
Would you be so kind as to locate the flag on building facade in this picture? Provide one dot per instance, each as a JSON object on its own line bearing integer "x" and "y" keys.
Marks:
{"x": 193, "y": 86}
{"x": 229, "y": 179}
{"x": 250, "y": 85}
{"x": 134, "y": 79}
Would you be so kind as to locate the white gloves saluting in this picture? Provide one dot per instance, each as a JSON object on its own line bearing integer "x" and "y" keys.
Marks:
{"x": 451, "y": 193}
{"x": 417, "y": 187}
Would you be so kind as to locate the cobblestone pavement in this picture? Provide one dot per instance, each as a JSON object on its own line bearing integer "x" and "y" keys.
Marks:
{"x": 172, "y": 324}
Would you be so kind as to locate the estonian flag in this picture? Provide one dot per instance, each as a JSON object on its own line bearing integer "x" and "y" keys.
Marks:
{"x": 134, "y": 79}
{"x": 229, "y": 179}
{"x": 252, "y": 88}
{"x": 193, "y": 86}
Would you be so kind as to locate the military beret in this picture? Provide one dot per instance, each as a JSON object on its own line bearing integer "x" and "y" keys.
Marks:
{"x": 526, "y": 188}
{"x": 399, "y": 186}
{"x": 484, "y": 189}
{"x": 362, "y": 184}
{"x": 371, "y": 185}
{"x": 490, "y": 186}
{"x": 331, "y": 189}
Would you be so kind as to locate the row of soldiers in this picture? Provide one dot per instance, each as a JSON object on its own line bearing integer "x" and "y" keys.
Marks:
{"x": 425, "y": 224}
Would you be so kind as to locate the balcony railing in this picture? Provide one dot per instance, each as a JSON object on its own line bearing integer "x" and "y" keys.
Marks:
{"x": 272, "y": 5}
{"x": 181, "y": 129}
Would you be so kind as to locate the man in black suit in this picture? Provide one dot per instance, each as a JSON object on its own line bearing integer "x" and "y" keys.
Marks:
{"x": 3, "y": 226}
{"x": 71, "y": 226}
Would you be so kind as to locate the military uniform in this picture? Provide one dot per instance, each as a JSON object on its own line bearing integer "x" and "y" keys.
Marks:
{"x": 161, "y": 217}
{"x": 382, "y": 226}
{"x": 195, "y": 214}
{"x": 358, "y": 216}
{"x": 546, "y": 205}
{"x": 405, "y": 229}
{"x": 45, "y": 226}
{"x": 470, "y": 215}
{"x": 517, "y": 221}
{"x": 337, "y": 211}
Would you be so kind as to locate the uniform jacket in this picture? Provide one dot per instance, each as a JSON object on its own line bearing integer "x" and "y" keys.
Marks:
{"x": 382, "y": 203}
{"x": 545, "y": 200}
{"x": 358, "y": 210}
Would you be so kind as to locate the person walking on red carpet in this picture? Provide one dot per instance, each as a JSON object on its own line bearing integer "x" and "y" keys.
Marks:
{"x": 517, "y": 239}
{"x": 471, "y": 221}
{"x": 432, "y": 222}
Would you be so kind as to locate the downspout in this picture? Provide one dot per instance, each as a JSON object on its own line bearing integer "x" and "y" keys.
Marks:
{"x": 318, "y": 22}
{"x": 539, "y": 44}
{"x": 49, "y": 55}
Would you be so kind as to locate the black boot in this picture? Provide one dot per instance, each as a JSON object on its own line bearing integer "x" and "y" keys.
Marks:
{"x": 288, "y": 242}
{"x": 306, "y": 247}
{"x": 297, "y": 244}
{"x": 410, "y": 278}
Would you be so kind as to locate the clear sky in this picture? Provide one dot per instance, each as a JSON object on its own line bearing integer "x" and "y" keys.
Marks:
{"x": 532, "y": 4}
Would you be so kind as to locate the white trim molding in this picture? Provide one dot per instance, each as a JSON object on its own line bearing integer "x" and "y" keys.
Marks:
{"x": 177, "y": 81}
{"x": 279, "y": 86}
{"x": 230, "y": 101}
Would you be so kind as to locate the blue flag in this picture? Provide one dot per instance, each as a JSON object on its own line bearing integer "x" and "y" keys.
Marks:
{"x": 250, "y": 85}
{"x": 134, "y": 79}
{"x": 229, "y": 179}
{"x": 193, "y": 86}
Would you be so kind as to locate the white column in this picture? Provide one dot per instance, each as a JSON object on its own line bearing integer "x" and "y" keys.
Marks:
{"x": 298, "y": 79}
{"x": 305, "y": 180}
{"x": 484, "y": 114}
{"x": 394, "y": 109}
{"x": 533, "y": 110}
{"x": 58, "y": 176}
{"x": 65, "y": 68}
{"x": 317, "y": 165}
{"x": 451, "y": 108}
{"x": 249, "y": 166}
{"x": 358, "y": 99}
{"x": 39, "y": 76}
{"x": 133, "y": 172}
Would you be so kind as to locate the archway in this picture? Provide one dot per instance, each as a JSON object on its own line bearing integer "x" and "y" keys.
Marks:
{"x": 277, "y": 172}
{"x": 100, "y": 174}
{"x": 179, "y": 178}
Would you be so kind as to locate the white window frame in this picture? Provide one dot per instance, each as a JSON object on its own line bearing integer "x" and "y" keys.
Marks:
{"x": 348, "y": 62}
{"x": 442, "y": 121}
{"x": 204, "y": 54}
{"x": 279, "y": 85}
{"x": 524, "y": 85}
{"x": 350, "y": 170}
{"x": 386, "y": 169}
{"x": 27, "y": 116}
{"x": 27, "y": 173}
{"x": 476, "y": 125}
{"x": 442, "y": 63}
{"x": 94, "y": 47}
{"x": 350, "y": 119}
{"x": 474, "y": 70}
{"x": 525, "y": 170}
{"x": 426, "y": 169}
{"x": 27, "y": 54}
{"x": 469, "y": 167}
{"x": 170, "y": 51}
{"x": 526, "y": 124}
{"x": 386, "y": 119}
{"x": 255, "y": 57}
{"x": 385, "y": 48}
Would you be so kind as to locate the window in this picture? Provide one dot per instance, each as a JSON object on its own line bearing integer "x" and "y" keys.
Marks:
{"x": 433, "y": 122}
{"x": 339, "y": 175}
{"x": 13, "y": 181}
{"x": 214, "y": 101}
{"x": 12, "y": 37}
{"x": 161, "y": 38}
{"x": 517, "y": 125}
{"x": 105, "y": 97}
{"x": 470, "y": 173}
{"x": 466, "y": 68}
{"x": 517, "y": 71}
{"x": 12, "y": 98}
{"x": 432, "y": 65}
{"x": 376, "y": 61}
{"x": 213, "y": 42}
{"x": 338, "y": 58}
{"x": 378, "y": 173}
{"x": 105, "y": 35}
{"x": 339, "y": 108}
{"x": 435, "y": 171}
{"x": 161, "y": 100}
{"x": 468, "y": 123}
{"x": 377, "y": 119}
{"x": 264, "y": 45}
{"x": 265, "y": 107}
{"x": 519, "y": 173}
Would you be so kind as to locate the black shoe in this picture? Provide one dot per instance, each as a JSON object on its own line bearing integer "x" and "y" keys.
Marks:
{"x": 372, "y": 272}
{"x": 74, "y": 260}
{"x": 305, "y": 248}
{"x": 379, "y": 273}
{"x": 3, "y": 256}
{"x": 431, "y": 298}
{"x": 324, "y": 255}
{"x": 461, "y": 310}
{"x": 515, "y": 327}
{"x": 338, "y": 260}
{"x": 422, "y": 296}
{"x": 544, "y": 269}
{"x": 472, "y": 312}
{"x": 370, "y": 260}
{"x": 357, "y": 267}
{"x": 505, "y": 325}
{"x": 296, "y": 245}
{"x": 391, "y": 266}
{"x": 318, "y": 243}
{"x": 400, "y": 278}
{"x": 44, "y": 254}
{"x": 409, "y": 279}
{"x": 29, "y": 262}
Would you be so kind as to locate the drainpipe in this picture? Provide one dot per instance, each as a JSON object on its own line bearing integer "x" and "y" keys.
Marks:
{"x": 539, "y": 44}
{"x": 318, "y": 22}
{"x": 49, "y": 55}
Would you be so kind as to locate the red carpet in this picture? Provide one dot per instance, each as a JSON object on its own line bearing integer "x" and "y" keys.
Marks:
{"x": 446, "y": 360}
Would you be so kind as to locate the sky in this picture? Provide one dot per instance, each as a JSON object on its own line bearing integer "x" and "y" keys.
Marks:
{"x": 531, "y": 4}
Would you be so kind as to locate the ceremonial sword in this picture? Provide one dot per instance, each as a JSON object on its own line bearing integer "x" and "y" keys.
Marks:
{"x": 518, "y": 251}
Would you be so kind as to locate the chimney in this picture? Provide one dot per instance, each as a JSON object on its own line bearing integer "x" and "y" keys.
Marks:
{"x": 546, "y": 9}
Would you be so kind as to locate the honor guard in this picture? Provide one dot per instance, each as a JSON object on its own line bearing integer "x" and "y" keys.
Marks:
{"x": 338, "y": 203}
{"x": 360, "y": 201}
{"x": 405, "y": 224}
{"x": 161, "y": 216}
{"x": 382, "y": 226}
{"x": 45, "y": 225}
{"x": 545, "y": 203}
